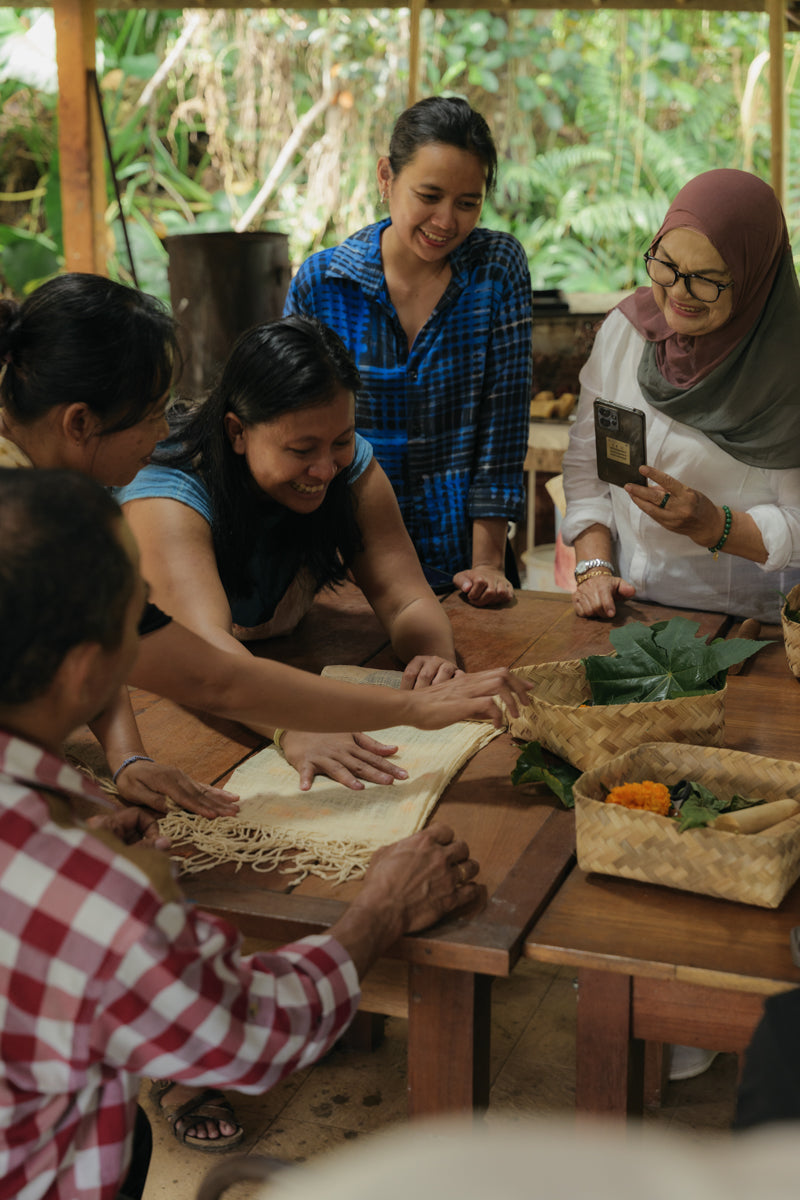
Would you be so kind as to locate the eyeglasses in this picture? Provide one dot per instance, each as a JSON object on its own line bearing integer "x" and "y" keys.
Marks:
{"x": 698, "y": 287}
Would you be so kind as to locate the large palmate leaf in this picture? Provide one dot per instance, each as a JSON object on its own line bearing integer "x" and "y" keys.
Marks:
{"x": 662, "y": 662}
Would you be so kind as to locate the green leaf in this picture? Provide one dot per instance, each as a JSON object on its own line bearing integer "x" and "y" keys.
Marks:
{"x": 28, "y": 259}
{"x": 555, "y": 773}
{"x": 739, "y": 802}
{"x": 698, "y": 806}
{"x": 662, "y": 662}
{"x": 701, "y": 807}
{"x": 791, "y": 614}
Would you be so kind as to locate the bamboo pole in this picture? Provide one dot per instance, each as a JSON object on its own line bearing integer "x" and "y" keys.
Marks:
{"x": 414, "y": 43}
{"x": 777, "y": 18}
{"x": 80, "y": 139}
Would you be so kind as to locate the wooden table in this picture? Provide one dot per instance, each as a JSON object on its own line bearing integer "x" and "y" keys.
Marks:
{"x": 523, "y": 840}
{"x": 657, "y": 965}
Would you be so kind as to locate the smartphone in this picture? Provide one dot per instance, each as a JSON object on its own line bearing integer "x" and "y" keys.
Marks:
{"x": 619, "y": 435}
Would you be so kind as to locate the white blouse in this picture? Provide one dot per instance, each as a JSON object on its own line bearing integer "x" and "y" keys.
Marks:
{"x": 665, "y": 567}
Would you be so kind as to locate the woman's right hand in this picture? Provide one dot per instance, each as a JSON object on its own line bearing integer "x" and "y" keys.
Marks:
{"x": 595, "y": 596}
{"x": 468, "y": 697}
{"x": 348, "y": 758}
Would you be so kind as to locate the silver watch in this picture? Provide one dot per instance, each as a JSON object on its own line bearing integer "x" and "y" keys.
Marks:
{"x": 589, "y": 564}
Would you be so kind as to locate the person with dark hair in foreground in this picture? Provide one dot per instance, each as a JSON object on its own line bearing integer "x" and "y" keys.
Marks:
{"x": 769, "y": 1090}
{"x": 107, "y": 973}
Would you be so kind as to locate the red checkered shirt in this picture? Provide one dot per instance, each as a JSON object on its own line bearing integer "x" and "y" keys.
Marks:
{"x": 108, "y": 974}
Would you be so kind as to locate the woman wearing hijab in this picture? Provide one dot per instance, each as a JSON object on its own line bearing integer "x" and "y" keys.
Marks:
{"x": 706, "y": 352}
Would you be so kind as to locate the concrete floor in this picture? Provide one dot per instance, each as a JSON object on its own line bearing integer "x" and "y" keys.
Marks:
{"x": 350, "y": 1095}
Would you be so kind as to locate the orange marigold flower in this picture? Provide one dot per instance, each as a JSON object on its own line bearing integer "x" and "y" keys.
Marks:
{"x": 647, "y": 795}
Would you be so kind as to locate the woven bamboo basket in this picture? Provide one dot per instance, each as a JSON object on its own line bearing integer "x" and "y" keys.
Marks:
{"x": 791, "y": 633}
{"x": 588, "y": 736}
{"x": 749, "y": 868}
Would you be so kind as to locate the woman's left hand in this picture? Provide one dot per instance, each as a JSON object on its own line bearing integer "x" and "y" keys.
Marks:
{"x": 151, "y": 783}
{"x": 484, "y": 585}
{"x": 686, "y": 511}
{"x": 426, "y": 669}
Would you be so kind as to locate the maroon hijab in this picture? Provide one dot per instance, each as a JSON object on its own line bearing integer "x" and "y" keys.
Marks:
{"x": 742, "y": 218}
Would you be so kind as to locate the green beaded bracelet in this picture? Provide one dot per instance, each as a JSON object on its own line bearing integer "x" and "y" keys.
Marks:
{"x": 728, "y": 521}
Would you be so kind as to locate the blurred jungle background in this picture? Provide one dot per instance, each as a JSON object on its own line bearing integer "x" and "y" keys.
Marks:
{"x": 273, "y": 119}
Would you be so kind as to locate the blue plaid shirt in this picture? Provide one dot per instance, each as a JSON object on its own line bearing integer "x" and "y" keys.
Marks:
{"x": 447, "y": 419}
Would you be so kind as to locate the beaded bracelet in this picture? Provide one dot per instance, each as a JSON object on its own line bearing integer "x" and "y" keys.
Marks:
{"x": 728, "y": 521}
{"x": 276, "y": 741}
{"x": 127, "y": 762}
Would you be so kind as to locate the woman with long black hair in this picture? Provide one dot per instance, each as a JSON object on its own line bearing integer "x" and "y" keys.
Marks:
{"x": 264, "y": 495}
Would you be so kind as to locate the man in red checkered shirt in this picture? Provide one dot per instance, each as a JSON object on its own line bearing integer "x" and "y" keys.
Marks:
{"x": 106, "y": 973}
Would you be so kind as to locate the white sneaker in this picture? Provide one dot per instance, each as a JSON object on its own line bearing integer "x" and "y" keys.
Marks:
{"x": 688, "y": 1061}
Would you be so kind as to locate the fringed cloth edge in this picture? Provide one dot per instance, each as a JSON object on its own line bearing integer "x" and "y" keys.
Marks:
{"x": 229, "y": 839}
{"x": 268, "y": 841}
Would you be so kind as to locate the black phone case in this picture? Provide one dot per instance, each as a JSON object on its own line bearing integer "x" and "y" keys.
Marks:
{"x": 619, "y": 435}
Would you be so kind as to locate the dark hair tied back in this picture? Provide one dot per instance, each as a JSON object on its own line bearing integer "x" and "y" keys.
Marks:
{"x": 449, "y": 121}
{"x": 82, "y": 338}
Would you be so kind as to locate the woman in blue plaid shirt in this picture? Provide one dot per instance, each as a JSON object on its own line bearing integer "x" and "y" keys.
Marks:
{"x": 437, "y": 314}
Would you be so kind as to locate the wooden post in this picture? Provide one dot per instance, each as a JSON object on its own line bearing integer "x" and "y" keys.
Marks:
{"x": 777, "y": 19}
{"x": 80, "y": 139}
{"x": 414, "y": 43}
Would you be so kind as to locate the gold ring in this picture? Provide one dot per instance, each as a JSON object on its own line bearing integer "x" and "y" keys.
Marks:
{"x": 664, "y": 500}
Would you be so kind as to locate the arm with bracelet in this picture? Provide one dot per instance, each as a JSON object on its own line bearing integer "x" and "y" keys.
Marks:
{"x": 598, "y": 585}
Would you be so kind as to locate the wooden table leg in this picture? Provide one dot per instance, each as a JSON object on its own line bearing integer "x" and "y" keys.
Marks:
{"x": 364, "y": 1034}
{"x": 448, "y": 1040}
{"x": 656, "y": 1072}
{"x": 610, "y": 1062}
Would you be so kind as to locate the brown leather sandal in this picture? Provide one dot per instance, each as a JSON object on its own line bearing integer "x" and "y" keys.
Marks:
{"x": 208, "y": 1105}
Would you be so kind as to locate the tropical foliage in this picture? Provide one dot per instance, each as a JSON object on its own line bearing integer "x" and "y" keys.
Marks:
{"x": 273, "y": 119}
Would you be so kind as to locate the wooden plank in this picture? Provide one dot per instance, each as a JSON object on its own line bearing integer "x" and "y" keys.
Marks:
{"x": 80, "y": 138}
{"x": 522, "y": 895}
{"x": 656, "y": 1073}
{"x": 505, "y": 7}
{"x": 414, "y": 22}
{"x": 777, "y": 107}
{"x": 653, "y": 932}
{"x": 571, "y": 637}
{"x": 448, "y": 1062}
{"x": 609, "y": 1076}
{"x": 668, "y": 1011}
{"x": 384, "y": 989}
